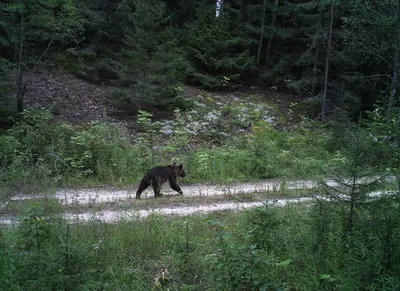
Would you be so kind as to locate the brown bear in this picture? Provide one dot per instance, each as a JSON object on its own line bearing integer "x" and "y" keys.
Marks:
{"x": 158, "y": 176}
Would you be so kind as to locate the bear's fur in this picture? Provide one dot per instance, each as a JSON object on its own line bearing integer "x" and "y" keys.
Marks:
{"x": 158, "y": 176}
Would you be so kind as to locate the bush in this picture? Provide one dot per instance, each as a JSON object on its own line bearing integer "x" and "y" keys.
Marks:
{"x": 36, "y": 149}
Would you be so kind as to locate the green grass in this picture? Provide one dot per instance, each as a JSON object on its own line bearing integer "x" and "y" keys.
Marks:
{"x": 37, "y": 154}
{"x": 262, "y": 248}
{"x": 298, "y": 247}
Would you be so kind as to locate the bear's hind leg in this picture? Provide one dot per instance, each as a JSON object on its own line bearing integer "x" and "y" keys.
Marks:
{"x": 157, "y": 189}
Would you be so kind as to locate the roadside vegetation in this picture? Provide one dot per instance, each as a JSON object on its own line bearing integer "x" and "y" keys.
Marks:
{"x": 37, "y": 154}
{"x": 344, "y": 242}
{"x": 269, "y": 248}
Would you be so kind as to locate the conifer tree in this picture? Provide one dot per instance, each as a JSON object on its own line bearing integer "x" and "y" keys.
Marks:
{"x": 322, "y": 58}
{"x": 31, "y": 28}
{"x": 217, "y": 47}
{"x": 151, "y": 64}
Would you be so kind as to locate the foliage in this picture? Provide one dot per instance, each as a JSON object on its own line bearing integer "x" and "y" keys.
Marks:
{"x": 239, "y": 265}
{"x": 216, "y": 48}
{"x": 31, "y": 28}
{"x": 39, "y": 22}
{"x": 370, "y": 32}
{"x": 148, "y": 49}
{"x": 151, "y": 62}
{"x": 36, "y": 151}
{"x": 346, "y": 240}
{"x": 268, "y": 248}
{"x": 264, "y": 222}
{"x": 7, "y": 106}
{"x": 385, "y": 130}
{"x": 303, "y": 248}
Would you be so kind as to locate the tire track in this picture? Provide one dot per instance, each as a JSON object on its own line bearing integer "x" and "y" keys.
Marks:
{"x": 224, "y": 197}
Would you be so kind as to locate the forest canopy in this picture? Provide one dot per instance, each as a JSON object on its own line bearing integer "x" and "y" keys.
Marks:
{"x": 338, "y": 56}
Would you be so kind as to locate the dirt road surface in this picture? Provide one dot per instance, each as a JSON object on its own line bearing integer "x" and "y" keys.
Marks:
{"x": 108, "y": 204}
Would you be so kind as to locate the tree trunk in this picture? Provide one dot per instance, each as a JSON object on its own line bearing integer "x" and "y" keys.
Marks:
{"x": 273, "y": 22}
{"x": 315, "y": 69}
{"x": 262, "y": 31}
{"x": 317, "y": 53}
{"x": 328, "y": 53}
{"x": 218, "y": 7}
{"x": 21, "y": 89}
{"x": 20, "y": 82}
{"x": 395, "y": 82}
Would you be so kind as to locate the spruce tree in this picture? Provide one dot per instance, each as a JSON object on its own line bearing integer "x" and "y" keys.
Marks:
{"x": 151, "y": 64}
{"x": 217, "y": 47}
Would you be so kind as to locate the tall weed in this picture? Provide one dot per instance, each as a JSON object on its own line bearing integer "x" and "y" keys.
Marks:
{"x": 36, "y": 150}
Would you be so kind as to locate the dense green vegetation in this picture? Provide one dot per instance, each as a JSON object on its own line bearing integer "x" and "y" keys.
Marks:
{"x": 290, "y": 248}
{"x": 37, "y": 152}
{"x": 344, "y": 243}
{"x": 340, "y": 59}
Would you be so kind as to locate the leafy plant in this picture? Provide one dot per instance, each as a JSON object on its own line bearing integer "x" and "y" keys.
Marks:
{"x": 241, "y": 266}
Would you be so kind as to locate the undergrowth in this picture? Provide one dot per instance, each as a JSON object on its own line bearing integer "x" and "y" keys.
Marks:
{"x": 344, "y": 240}
{"x": 268, "y": 248}
{"x": 38, "y": 154}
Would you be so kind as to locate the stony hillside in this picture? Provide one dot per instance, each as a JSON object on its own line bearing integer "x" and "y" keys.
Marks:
{"x": 69, "y": 98}
{"x": 75, "y": 100}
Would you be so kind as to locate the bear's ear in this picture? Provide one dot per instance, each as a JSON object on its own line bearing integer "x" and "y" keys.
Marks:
{"x": 180, "y": 166}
